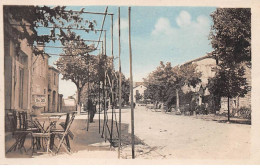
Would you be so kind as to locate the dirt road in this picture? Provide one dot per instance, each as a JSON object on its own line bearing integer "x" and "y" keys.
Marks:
{"x": 184, "y": 137}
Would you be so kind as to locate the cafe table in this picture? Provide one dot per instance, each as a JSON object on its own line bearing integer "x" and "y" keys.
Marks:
{"x": 49, "y": 131}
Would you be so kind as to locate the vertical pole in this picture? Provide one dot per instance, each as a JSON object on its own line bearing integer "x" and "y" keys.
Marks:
{"x": 228, "y": 109}
{"x": 113, "y": 99}
{"x": 88, "y": 96}
{"x": 120, "y": 81}
{"x": 131, "y": 85}
{"x": 99, "y": 98}
{"x": 105, "y": 43}
{"x": 30, "y": 63}
{"x": 103, "y": 88}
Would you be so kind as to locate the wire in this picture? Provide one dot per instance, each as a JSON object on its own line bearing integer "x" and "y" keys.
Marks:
{"x": 57, "y": 27}
{"x": 97, "y": 13}
{"x": 102, "y": 26}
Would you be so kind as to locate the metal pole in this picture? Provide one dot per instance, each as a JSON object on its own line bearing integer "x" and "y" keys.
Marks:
{"x": 120, "y": 81}
{"x": 131, "y": 85}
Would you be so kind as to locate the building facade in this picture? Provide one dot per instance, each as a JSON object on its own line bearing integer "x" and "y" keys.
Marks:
{"x": 17, "y": 72}
{"x": 206, "y": 66}
{"x": 138, "y": 90}
{"x": 53, "y": 90}
{"x": 40, "y": 83}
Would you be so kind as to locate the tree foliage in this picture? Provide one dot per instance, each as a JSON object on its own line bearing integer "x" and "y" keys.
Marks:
{"x": 165, "y": 80}
{"x": 231, "y": 36}
{"x": 77, "y": 64}
{"x": 231, "y": 40}
{"x": 25, "y": 22}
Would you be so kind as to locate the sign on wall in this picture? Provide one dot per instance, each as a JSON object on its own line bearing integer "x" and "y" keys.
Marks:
{"x": 39, "y": 100}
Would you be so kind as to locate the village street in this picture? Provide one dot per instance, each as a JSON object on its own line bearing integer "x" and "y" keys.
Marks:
{"x": 186, "y": 137}
{"x": 159, "y": 135}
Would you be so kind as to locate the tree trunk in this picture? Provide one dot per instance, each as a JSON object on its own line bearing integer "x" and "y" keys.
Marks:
{"x": 228, "y": 110}
{"x": 78, "y": 101}
{"x": 177, "y": 101}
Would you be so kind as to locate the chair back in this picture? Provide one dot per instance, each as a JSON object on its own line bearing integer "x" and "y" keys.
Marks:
{"x": 69, "y": 122}
{"x": 18, "y": 120}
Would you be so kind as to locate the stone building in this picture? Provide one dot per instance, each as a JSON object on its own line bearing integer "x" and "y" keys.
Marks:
{"x": 17, "y": 71}
{"x": 53, "y": 90}
{"x": 238, "y": 102}
{"x": 139, "y": 90}
{"x": 206, "y": 66}
{"x": 27, "y": 76}
{"x": 40, "y": 83}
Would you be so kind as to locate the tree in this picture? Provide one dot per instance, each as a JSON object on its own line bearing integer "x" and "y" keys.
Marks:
{"x": 76, "y": 64}
{"x": 184, "y": 75}
{"x": 231, "y": 35}
{"x": 166, "y": 80}
{"x": 138, "y": 96}
{"x": 157, "y": 83}
{"x": 229, "y": 83}
{"x": 25, "y": 21}
{"x": 231, "y": 39}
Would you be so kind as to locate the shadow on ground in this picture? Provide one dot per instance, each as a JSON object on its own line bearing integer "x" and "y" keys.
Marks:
{"x": 247, "y": 122}
{"x": 90, "y": 140}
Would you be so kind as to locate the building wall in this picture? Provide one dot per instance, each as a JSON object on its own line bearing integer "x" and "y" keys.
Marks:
{"x": 206, "y": 66}
{"x": 139, "y": 89}
{"x": 69, "y": 104}
{"x": 53, "y": 89}
{"x": 40, "y": 82}
{"x": 238, "y": 102}
{"x": 17, "y": 63}
{"x": 246, "y": 101}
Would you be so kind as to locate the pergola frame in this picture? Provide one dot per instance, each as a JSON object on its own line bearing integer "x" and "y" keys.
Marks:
{"x": 107, "y": 78}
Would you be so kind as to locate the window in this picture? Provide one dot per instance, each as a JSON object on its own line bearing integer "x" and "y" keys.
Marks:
{"x": 54, "y": 78}
{"x": 21, "y": 76}
{"x": 54, "y": 97}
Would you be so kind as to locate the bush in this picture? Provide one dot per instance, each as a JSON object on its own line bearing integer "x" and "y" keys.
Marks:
{"x": 245, "y": 112}
{"x": 201, "y": 109}
{"x": 242, "y": 112}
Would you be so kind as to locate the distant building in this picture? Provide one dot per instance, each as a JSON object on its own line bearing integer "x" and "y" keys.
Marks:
{"x": 139, "y": 90}
{"x": 69, "y": 104}
{"x": 238, "y": 101}
{"x": 206, "y": 66}
{"x": 135, "y": 84}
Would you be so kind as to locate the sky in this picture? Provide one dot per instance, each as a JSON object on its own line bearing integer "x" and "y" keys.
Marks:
{"x": 168, "y": 34}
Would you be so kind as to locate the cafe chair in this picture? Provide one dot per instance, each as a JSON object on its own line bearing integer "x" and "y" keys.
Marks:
{"x": 62, "y": 135}
{"x": 44, "y": 135}
{"x": 21, "y": 126}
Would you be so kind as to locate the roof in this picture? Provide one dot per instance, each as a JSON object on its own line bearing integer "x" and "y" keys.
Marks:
{"x": 140, "y": 85}
{"x": 52, "y": 68}
{"x": 69, "y": 102}
{"x": 198, "y": 59}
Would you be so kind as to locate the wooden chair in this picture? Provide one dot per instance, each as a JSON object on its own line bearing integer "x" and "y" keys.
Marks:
{"x": 43, "y": 135}
{"x": 63, "y": 134}
{"x": 21, "y": 127}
